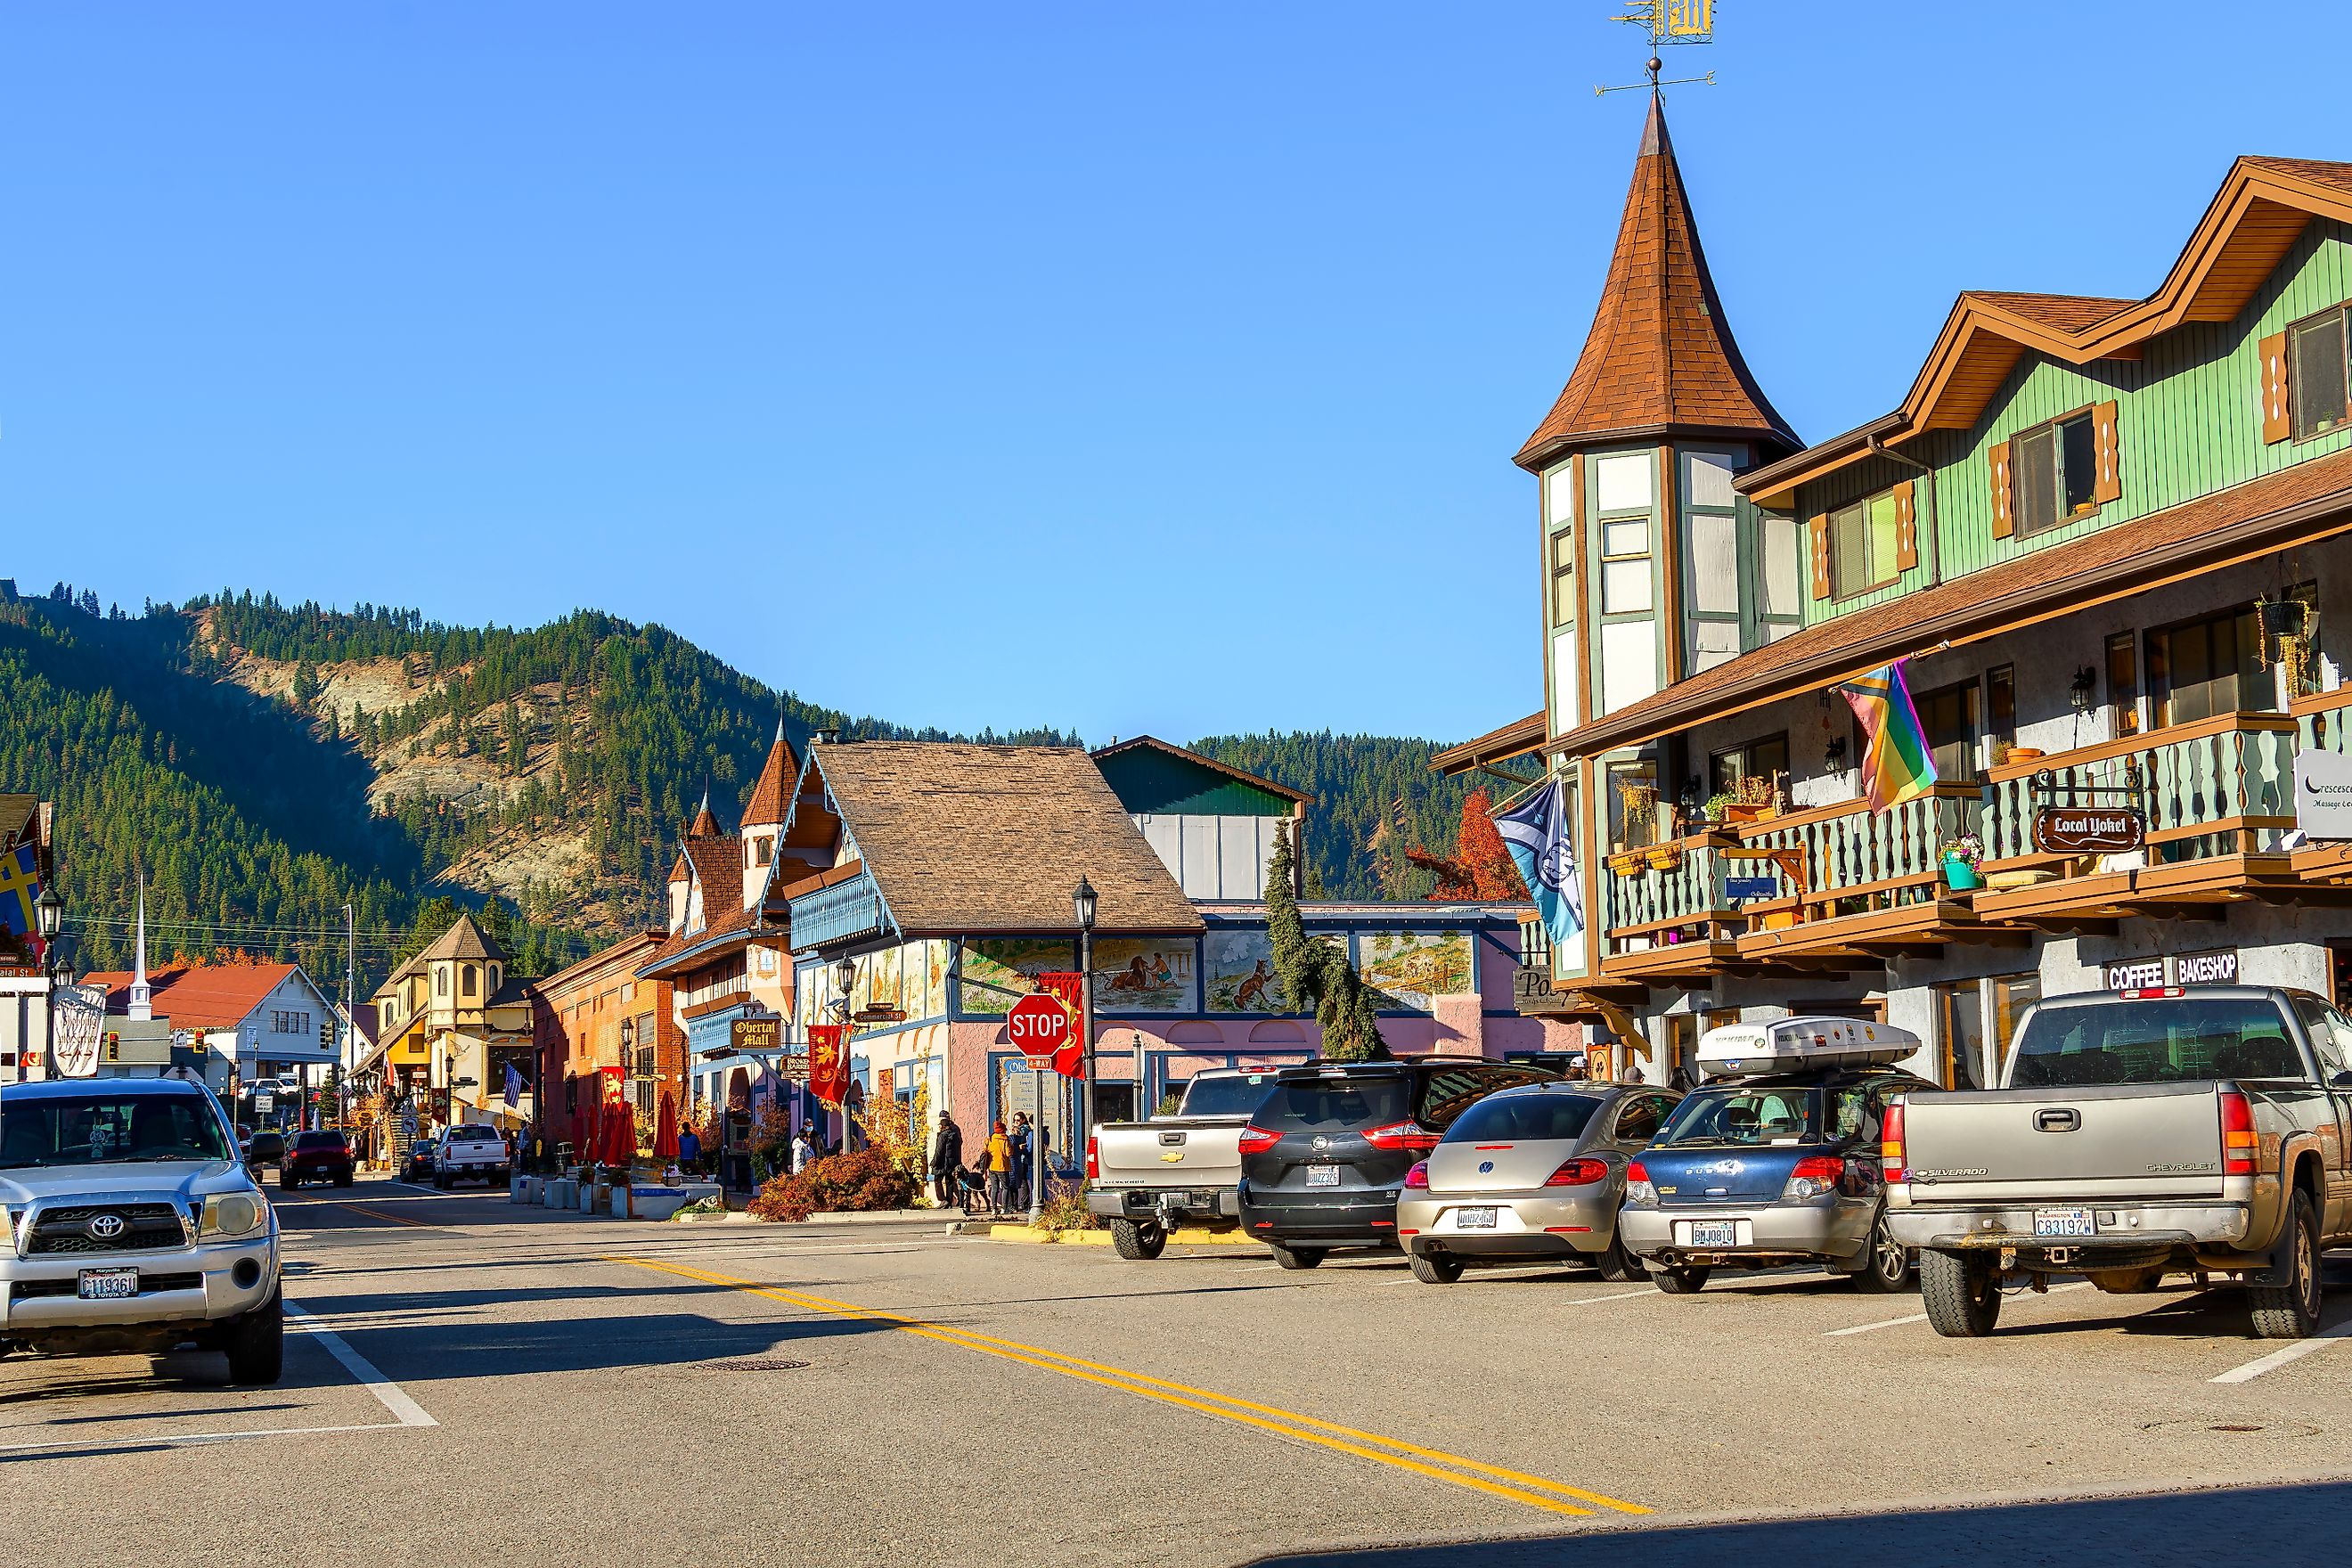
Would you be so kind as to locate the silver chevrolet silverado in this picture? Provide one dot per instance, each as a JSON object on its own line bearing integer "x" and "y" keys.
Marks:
{"x": 2136, "y": 1135}
{"x": 1149, "y": 1177}
{"x": 134, "y": 1226}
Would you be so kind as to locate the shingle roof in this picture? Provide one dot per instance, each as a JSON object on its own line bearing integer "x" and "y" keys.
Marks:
{"x": 719, "y": 868}
{"x": 2305, "y": 501}
{"x": 216, "y": 996}
{"x": 772, "y": 795}
{"x": 2071, "y": 312}
{"x": 1660, "y": 356}
{"x": 1516, "y": 739}
{"x": 964, "y": 838}
{"x": 464, "y": 939}
{"x": 1183, "y": 753}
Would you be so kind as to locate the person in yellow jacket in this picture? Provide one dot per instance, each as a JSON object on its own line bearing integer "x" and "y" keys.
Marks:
{"x": 1000, "y": 1168}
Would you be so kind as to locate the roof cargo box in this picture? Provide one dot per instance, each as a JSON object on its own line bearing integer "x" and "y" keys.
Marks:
{"x": 1794, "y": 1045}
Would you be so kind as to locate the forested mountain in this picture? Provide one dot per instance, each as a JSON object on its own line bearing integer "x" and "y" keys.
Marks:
{"x": 261, "y": 764}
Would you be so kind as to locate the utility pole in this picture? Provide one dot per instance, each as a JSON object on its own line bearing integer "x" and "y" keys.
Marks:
{"x": 350, "y": 1019}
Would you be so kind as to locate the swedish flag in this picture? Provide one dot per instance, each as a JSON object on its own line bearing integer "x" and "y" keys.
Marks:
{"x": 20, "y": 884}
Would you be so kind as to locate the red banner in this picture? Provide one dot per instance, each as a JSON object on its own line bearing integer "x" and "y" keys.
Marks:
{"x": 1063, "y": 986}
{"x": 828, "y": 1077}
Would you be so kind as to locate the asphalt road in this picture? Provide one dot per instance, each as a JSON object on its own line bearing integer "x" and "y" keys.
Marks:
{"x": 480, "y": 1384}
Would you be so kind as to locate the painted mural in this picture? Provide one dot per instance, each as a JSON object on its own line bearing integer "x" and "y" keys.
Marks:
{"x": 996, "y": 972}
{"x": 935, "y": 979}
{"x": 1407, "y": 969}
{"x": 1143, "y": 974}
{"x": 1240, "y": 974}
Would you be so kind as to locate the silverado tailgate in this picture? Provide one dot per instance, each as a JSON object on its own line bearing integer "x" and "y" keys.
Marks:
{"x": 2025, "y": 1145}
{"x": 1192, "y": 1152}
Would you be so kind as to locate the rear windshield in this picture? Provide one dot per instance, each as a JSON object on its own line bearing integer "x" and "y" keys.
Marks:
{"x": 1330, "y": 1105}
{"x": 1513, "y": 1117}
{"x": 2167, "y": 1039}
{"x": 319, "y": 1140}
{"x": 1745, "y": 1116}
{"x": 1227, "y": 1096}
{"x": 98, "y": 1128}
{"x": 473, "y": 1135}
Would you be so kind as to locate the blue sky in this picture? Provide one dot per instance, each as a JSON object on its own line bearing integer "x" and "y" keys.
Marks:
{"x": 1125, "y": 367}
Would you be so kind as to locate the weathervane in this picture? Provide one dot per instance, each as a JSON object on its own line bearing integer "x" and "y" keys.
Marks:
{"x": 1668, "y": 22}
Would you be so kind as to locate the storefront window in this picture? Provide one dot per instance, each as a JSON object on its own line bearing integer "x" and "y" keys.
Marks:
{"x": 1960, "y": 1032}
{"x": 2012, "y": 995}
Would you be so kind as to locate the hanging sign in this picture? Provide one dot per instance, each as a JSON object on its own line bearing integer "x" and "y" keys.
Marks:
{"x": 1740, "y": 890}
{"x": 2323, "y": 794}
{"x": 80, "y": 1017}
{"x": 2088, "y": 830}
{"x": 755, "y": 1034}
{"x": 1066, "y": 986}
{"x": 828, "y": 1072}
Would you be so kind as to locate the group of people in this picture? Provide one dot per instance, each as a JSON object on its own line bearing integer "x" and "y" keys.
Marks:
{"x": 1001, "y": 1167}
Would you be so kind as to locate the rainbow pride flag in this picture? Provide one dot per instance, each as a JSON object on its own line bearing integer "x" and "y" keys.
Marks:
{"x": 1899, "y": 766}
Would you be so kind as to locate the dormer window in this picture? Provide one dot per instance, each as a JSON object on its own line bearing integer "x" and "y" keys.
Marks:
{"x": 2317, "y": 377}
{"x": 2054, "y": 471}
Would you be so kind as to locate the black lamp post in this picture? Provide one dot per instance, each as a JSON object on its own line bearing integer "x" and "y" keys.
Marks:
{"x": 1082, "y": 905}
{"x": 49, "y": 916}
{"x": 845, "y": 981}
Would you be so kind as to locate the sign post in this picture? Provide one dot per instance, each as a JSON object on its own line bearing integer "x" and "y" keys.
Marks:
{"x": 1040, "y": 1025}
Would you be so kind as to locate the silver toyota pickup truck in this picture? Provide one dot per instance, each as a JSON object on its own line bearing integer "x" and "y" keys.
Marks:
{"x": 134, "y": 1226}
{"x": 1148, "y": 1177}
{"x": 2136, "y": 1135}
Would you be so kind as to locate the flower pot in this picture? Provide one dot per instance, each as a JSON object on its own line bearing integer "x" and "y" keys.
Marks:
{"x": 2283, "y": 618}
{"x": 1625, "y": 863}
{"x": 1665, "y": 857}
{"x": 1737, "y": 814}
{"x": 1959, "y": 876}
{"x": 2024, "y": 754}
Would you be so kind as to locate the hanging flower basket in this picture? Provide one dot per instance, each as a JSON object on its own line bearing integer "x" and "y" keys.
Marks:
{"x": 1625, "y": 863}
{"x": 1664, "y": 856}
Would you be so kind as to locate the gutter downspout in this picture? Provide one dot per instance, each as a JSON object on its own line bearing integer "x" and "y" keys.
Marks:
{"x": 1932, "y": 558}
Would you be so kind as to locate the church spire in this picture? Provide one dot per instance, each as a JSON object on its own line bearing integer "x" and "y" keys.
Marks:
{"x": 1660, "y": 360}
{"x": 142, "y": 1003}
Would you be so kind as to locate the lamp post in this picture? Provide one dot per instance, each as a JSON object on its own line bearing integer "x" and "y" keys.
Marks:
{"x": 1082, "y": 905}
{"x": 844, "y": 980}
{"x": 49, "y": 915}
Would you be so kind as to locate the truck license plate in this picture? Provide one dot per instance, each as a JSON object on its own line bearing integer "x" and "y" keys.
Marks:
{"x": 1322, "y": 1175}
{"x": 1474, "y": 1219}
{"x": 2064, "y": 1221}
{"x": 1715, "y": 1232}
{"x": 108, "y": 1284}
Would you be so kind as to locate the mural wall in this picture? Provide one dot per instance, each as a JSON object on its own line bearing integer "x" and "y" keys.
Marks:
{"x": 1144, "y": 974}
{"x": 995, "y": 974}
{"x": 1409, "y": 969}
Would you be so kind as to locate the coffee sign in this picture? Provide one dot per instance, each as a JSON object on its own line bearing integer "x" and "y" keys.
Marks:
{"x": 2088, "y": 830}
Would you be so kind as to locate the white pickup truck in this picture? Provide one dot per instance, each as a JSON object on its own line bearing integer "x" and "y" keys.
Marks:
{"x": 472, "y": 1152}
{"x": 134, "y": 1226}
{"x": 1148, "y": 1177}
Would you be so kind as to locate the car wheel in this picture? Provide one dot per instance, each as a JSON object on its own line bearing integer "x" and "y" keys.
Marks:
{"x": 1138, "y": 1241}
{"x": 1431, "y": 1269}
{"x": 1619, "y": 1266}
{"x": 257, "y": 1345}
{"x": 1297, "y": 1256}
{"x": 1962, "y": 1294}
{"x": 1886, "y": 1267}
{"x": 2291, "y": 1311}
{"x": 1688, "y": 1280}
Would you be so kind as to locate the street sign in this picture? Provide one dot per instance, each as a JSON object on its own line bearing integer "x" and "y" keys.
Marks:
{"x": 1039, "y": 1026}
{"x": 80, "y": 1019}
{"x": 755, "y": 1034}
{"x": 2088, "y": 830}
{"x": 263, "y": 1104}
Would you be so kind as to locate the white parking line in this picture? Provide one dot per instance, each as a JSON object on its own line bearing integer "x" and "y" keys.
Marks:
{"x": 119, "y": 1445}
{"x": 388, "y": 1393}
{"x": 1922, "y": 1316}
{"x": 2284, "y": 1354}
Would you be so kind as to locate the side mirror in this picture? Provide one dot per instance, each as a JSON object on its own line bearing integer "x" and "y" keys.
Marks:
{"x": 2341, "y": 1081}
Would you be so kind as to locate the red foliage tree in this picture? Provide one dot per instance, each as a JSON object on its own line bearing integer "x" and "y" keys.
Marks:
{"x": 1480, "y": 866}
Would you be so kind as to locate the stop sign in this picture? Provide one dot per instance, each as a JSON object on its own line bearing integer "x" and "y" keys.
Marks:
{"x": 1039, "y": 1026}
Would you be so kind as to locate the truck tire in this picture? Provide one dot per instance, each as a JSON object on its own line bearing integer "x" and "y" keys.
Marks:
{"x": 1962, "y": 1293}
{"x": 2291, "y": 1311}
{"x": 1885, "y": 1262}
{"x": 1431, "y": 1269}
{"x": 257, "y": 1345}
{"x": 1688, "y": 1280}
{"x": 1138, "y": 1241}
{"x": 1618, "y": 1265}
{"x": 1296, "y": 1257}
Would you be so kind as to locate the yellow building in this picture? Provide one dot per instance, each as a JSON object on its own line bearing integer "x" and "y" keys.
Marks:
{"x": 449, "y": 1021}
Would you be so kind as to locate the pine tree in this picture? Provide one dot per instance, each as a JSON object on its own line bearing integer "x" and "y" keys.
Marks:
{"x": 305, "y": 685}
{"x": 1318, "y": 971}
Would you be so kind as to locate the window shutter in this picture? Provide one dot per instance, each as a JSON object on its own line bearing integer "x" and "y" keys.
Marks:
{"x": 2003, "y": 523}
{"x": 2109, "y": 485}
{"x": 1819, "y": 528}
{"x": 1907, "y": 528}
{"x": 2276, "y": 424}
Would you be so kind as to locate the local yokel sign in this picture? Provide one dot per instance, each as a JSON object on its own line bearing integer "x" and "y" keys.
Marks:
{"x": 2323, "y": 794}
{"x": 2088, "y": 830}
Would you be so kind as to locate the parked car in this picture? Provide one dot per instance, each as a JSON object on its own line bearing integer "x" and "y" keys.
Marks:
{"x": 472, "y": 1152}
{"x": 265, "y": 1147}
{"x": 317, "y": 1157}
{"x": 1775, "y": 1159}
{"x": 1531, "y": 1174}
{"x": 137, "y": 1230}
{"x": 1148, "y": 1177}
{"x": 1325, "y": 1157}
{"x": 2137, "y": 1134}
{"x": 418, "y": 1165}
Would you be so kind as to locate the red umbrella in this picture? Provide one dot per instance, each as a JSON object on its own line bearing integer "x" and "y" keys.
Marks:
{"x": 665, "y": 1130}
{"x": 621, "y": 1130}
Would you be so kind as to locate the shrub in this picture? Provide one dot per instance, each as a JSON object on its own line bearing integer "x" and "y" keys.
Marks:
{"x": 864, "y": 1181}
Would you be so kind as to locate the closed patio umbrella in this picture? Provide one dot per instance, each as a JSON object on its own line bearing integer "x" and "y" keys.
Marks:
{"x": 621, "y": 1149}
{"x": 665, "y": 1130}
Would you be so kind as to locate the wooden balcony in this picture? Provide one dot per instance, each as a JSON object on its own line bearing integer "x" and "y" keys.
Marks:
{"x": 1872, "y": 885}
{"x": 1670, "y": 923}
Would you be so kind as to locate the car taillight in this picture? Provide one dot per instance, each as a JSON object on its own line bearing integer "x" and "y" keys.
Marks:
{"x": 2239, "y": 1143}
{"x": 1638, "y": 1189}
{"x": 1410, "y": 1136}
{"x": 1418, "y": 1177}
{"x": 1093, "y": 1159}
{"x": 1577, "y": 1173}
{"x": 1257, "y": 1140}
{"x": 1815, "y": 1176}
{"x": 1890, "y": 1145}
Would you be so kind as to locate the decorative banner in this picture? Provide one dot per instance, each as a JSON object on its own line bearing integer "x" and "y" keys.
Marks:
{"x": 828, "y": 1063}
{"x": 1070, "y": 1059}
{"x": 80, "y": 1016}
{"x": 1899, "y": 764}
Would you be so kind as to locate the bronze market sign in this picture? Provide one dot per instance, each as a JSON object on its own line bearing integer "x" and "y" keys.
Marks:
{"x": 2088, "y": 830}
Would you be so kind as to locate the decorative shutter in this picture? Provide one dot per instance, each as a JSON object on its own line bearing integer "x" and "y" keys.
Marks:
{"x": 1819, "y": 528}
{"x": 2276, "y": 426}
{"x": 2109, "y": 486}
{"x": 2003, "y": 523}
{"x": 1907, "y": 528}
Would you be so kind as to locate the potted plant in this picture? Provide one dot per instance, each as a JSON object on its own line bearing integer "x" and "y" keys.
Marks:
{"x": 1718, "y": 808}
{"x": 2282, "y": 617}
{"x": 1960, "y": 858}
{"x": 1625, "y": 862}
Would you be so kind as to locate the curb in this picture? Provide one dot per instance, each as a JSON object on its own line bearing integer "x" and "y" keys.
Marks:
{"x": 1188, "y": 1238}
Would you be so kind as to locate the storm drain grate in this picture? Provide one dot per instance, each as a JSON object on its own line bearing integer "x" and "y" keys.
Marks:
{"x": 2239, "y": 1429}
{"x": 751, "y": 1364}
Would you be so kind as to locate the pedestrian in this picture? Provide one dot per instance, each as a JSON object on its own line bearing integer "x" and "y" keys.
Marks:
{"x": 1681, "y": 1079}
{"x": 1023, "y": 1162}
{"x": 947, "y": 1158}
{"x": 999, "y": 1157}
{"x": 803, "y": 1148}
{"x": 689, "y": 1148}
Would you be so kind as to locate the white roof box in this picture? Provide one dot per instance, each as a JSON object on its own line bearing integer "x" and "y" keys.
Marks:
{"x": 1793, "y": 1045}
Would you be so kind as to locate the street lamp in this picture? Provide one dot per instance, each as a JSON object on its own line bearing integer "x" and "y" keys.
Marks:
{"x": 50, "y": 917}
{"x": 1082, "y": 905}
{"x": 845, "y": 981}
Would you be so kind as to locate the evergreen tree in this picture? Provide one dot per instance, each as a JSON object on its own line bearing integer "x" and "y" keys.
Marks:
{"x": 1317, "y": 971}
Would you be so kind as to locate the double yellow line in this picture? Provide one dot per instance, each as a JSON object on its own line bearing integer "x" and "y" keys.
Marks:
{"x": 1433, "y": 1463}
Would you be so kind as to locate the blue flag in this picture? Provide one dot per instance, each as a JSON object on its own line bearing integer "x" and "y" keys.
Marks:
{"x": 514, "y": 1085}
{"x": 1542, "y": 842}
{"x": 20, "y": 884}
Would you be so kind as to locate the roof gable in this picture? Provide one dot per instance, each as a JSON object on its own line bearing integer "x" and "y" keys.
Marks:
{"x": 1149, "y": 775}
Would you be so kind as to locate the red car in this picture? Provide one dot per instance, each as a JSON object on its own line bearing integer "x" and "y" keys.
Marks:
{"x": 317, "y": 1157}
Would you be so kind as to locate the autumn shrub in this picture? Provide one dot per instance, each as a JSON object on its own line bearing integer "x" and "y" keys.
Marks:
{"x": 866, "y": 1180}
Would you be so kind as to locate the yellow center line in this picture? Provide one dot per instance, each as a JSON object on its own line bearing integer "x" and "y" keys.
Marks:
{"x": 395, "y": 1219}
{"x": 1267, "y": 1418}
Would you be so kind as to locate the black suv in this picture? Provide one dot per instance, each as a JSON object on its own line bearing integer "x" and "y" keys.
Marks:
{"x": 1323, "y": 1158}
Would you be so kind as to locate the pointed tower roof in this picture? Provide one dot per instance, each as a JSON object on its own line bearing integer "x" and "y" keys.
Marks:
{"x": 704, "y": 824}
{"x": 773, "y": 793}
{"x": 1660, "y": 359}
